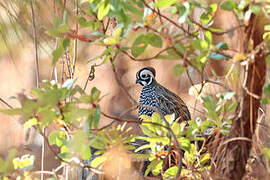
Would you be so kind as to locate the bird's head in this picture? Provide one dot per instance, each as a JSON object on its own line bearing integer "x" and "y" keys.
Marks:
{"x": 145, "y": 76}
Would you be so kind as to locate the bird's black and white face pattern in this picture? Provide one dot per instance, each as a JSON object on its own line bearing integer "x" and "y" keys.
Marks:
{"x": 145, "y": 76}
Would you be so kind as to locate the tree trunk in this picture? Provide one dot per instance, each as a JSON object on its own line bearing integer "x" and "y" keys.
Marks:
{"x": 232, "y": 159}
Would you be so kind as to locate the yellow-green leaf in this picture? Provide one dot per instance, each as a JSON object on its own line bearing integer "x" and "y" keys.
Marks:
{"x": 103, "y": 10}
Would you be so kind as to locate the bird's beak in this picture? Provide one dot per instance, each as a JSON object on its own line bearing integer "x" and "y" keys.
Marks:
{"x": 137, "y": 81}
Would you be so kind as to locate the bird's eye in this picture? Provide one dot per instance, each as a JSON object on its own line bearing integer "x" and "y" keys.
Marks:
{"x": 143, "y": 76}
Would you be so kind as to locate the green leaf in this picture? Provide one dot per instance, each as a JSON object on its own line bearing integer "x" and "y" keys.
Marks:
{"x": 176, "y": 128}
{"x": 110, "y": 41}
{"x": 11, "y": 112}
{"x": 171, "y": 172}
{"x": 215, "y": 30}
{"x": 266, "y": 152}
{"x": 98, "y": 161}
{"x": 164, "y": 3}
{"x": 208, "y": 37}
{"x": 103, "y": 9}
{"x": 216, "y": 56}
{"x": 204, "y": 158}
{"x": 146, "y": 146}
{"x": 79, "y": 144}
{"x": 46, "y": 117}
{"x": 57, "y": 138}
{"x": 157, "y": 168}
{"x": 85, "y": 152}
{"x": 97, "y": 117}
{"x": 178, "y": 70}
{"x": 147, "y": 129}
{"x": 184, "y": 12}
{"x": 212, "y": 8}
{"x": 255, "y": 9}
{"x": 203, "y": 57}
{"x": 184, "y": 143}
{"x": 229, "y": 5}
{"x": 139, "y": 156}
{"x": 268, "y": 60}
{"x": 132, "y": 8}
{"x": 154, "y": 40}
{"x": 95, "y": 93}
{"x": 66, "y": 43}
{"x": 82, "y": 22}
{"x": 156, "y": 118}
{"x": 57, "y": 53}
{"x": 179, "y": 46}
{"x": 30, "y": 123}
{"x": 117, "y": 32}
{"x": 7, "y": 166}
{"x": 28, "y": 108}
{"x": 94, "y": 117}
{"x": 221, "y": 46}
{"x": 151, "y": 166}
{"x": 172, "y": 54}
{"x": 232, "y": 107}
{"x": 265, "y": 100}
{"x": 97, "y": 143}
{"x": 209, "y": 103}
{"x": 139, "y": 45}
{"x": 205, "y": 18}
{"x": 266, "y": 89}
{"x": 200, "y": 44}
{"x": 59, "y": 30}
{"x": 26, "y": 162}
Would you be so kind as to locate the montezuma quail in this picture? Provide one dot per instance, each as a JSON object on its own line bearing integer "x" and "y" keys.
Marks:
{"x": 155, "y": 95}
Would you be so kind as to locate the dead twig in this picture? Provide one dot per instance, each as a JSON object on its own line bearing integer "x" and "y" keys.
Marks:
{"x": 4, "y": 102}
{"x": 35, "y": 43}
{"x": 133, "y": 101}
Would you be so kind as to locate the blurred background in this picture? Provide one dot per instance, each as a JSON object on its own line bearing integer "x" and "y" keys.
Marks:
{"x": 18, "y": 68}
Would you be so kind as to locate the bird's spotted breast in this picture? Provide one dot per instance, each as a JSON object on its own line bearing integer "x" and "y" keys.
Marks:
{"x": 147, "y": 98}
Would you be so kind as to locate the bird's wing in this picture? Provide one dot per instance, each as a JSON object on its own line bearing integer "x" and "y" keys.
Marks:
{"x": 169, "y": 103}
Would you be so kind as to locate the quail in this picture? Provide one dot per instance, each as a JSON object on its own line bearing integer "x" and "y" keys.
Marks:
{"x": 158, "y": 97}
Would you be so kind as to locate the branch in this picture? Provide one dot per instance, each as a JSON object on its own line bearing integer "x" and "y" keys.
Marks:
{"x": 143, "y": 59}
{"x": 216, "y": 33}
{"x": 35, "y": 42}
{"x": 133, "y": 101}
{"x": 4, "y": 102}
{"x": 129, "y": 120}
{"x": 218, "y": 83}
{"x": 168, "y": 19}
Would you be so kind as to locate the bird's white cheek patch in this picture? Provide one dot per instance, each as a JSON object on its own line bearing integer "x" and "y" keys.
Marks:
{"x": 144, "y": 83}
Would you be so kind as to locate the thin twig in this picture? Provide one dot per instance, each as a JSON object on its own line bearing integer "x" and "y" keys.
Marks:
{"x": 132, "y": 121}
{"x": 4, "y": 102}
{"x": 236, "y": 139}
{"x": 133, "y": 101}
{"x": 144, "y": 59}
{"x": 168, "y": 19}
{"x": 37, "y": 80}
{"x": 35, "y": 42}
{"x": 45, "y": 172}
{"x": 75, "y": 50}
{"x": 217, "y": 33}
{"x": 218, "y": 83}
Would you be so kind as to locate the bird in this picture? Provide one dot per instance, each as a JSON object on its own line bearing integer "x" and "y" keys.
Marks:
{"x": 158, "y": 97}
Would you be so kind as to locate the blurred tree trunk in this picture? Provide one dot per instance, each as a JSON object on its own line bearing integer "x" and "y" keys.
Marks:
{"x": 231, "y": 161}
